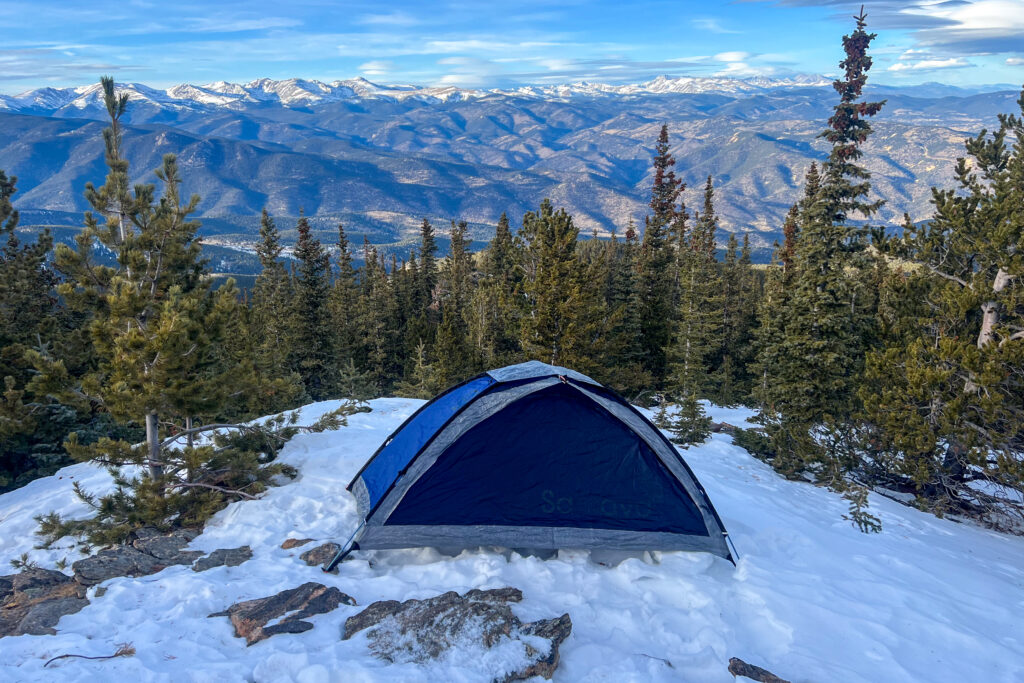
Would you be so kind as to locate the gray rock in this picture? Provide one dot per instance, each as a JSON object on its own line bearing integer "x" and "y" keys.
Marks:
{"x": 123, "y": 561}
{"x": 34, "y": 600}
{"x": 42, "y": 617}
{"x": 251, "y": 616}
{"x": 231, "y": 557}
{"x": 167, "y": 547}
{"x": 320, "y": 555}
{"x": 290, "y": 543}
{"x": 418, "y": 630}
{"x": 6, "y": 587}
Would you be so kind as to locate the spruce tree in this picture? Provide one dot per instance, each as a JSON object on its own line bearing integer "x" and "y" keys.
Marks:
{"x": 495, "y": 310}
{"x": 342, "y": 304}
{"x": 819, "y": 366}
{"x": 314, "y": 337}
{"x": 945, "y": 396}
{"x": 625, "y": 370}
{"x": 564, "y": 322}
{"x": 654, "y": 265}
{"x": 273, "y": 315}
{"x": 454, "y": 356}
{"x": 699, "y": 326}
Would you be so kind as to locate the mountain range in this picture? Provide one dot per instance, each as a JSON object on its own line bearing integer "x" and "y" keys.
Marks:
{"x": 381, "y": 157}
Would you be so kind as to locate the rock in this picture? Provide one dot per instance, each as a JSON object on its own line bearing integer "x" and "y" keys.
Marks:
{"x": 737, "y": 667}
{"x": 122, "y": 561}
{"x": 295, "y": 543}
{"x": 231, "y": 557}
{"x": 150, "y": 552}
{"x": 320, "y": 555}
{"x": 36, "y": 600}
{"x": 6, "y": 587}
{"x": 250, "y": 617}
{"x": 167, "y": 547}
{"x": 556, "y": 630}
{"x": 724, "y": 428}
{"x": 417, "y": 630}
{"x": 42, "y": 617}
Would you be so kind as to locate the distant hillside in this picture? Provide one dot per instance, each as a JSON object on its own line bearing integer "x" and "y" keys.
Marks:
{"x": 380, "y": 158}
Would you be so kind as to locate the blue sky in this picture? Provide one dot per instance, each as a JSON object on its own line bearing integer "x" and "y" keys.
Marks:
{"x": 498, "y": 44}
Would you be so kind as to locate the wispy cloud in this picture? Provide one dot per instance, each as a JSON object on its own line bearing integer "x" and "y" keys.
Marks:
{"x": 931, "y": 64}
{"x": 711, "y": 25}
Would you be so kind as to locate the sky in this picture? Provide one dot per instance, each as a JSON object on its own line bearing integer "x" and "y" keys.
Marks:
{"x": 499, "y": 44}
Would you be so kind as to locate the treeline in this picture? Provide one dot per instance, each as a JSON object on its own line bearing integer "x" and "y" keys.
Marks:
{"x": 873, "y": 360}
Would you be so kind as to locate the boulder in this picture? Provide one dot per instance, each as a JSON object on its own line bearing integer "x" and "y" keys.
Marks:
{"x": 167, "y": 547}
{"x": 33, "y": 601}
{"x": 121, "y": 561}
{"x": 418, "y": 630}
{"x": 230, "y": 557}
{"x": 42, "y": 617}
{"x": 250, "y": 617}
{"x": 320, "y": 555}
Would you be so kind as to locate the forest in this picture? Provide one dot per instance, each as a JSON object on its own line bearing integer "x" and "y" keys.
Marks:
{"x": 877, "y": 359}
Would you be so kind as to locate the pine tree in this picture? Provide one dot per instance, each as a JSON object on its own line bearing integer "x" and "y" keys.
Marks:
{"x": 273, "y": 314}
{"x": 625, "y": 369}
{"x": 342, "y": 304}
{"x": 654, "y": 265}
{"x": 563, "y": 325}
{"x": 495, "y": 311}
{"x": 314, "y": 337}
{"x": 819, "y": 366}
{"x": 699, "y": 325}
{"x": 453, "y": 353}
{"x": 945, "y": 395}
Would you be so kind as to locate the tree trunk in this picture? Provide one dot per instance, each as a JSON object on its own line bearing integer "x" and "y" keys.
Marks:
{"x": 990, "y": 310}
{"x": 156, "y": 467}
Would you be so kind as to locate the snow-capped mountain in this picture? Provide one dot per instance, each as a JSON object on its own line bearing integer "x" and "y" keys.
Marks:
{"x": 300, "y": 92}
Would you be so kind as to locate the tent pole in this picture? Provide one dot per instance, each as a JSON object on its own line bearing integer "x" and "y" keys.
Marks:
{"x": 349, "y": 546}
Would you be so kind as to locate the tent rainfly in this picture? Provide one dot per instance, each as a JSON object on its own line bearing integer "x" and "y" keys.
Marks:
{"x": 531, "y": 456}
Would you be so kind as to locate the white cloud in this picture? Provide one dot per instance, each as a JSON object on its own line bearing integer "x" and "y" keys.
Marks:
{"x": 403, "y": 19}
{"x": 732, "y": 56}
{"x": 1015, "y": 61}
{"x": 377, "y": 67}
{"x": 931, "y": 64}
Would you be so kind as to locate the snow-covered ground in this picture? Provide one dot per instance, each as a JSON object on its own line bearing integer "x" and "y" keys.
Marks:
{"x": 812, "y": 598}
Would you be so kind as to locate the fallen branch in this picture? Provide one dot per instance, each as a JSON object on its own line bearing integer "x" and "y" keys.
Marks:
{"x": 222, "y": 489}
{"x": 123, "y": 650}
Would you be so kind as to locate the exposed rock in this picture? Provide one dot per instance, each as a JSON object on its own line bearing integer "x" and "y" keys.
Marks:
{"x": 167, "y": 547}
{"x": 295, "y": 543}
{"x": 6, "y": 587}
{"x": 36, "y": 600}
{"x": 417, "y": 630}
{"x": 122, "y": 561}
{"x": 42, "y": 617}
{"x": 556, "y": 630}
{"x": 251, "y": 616}
{"x": 724, "y": 428}
{"x": 320, "y": 555}
{"x": 737, "y": 667}
{"x": 231, "y": 557}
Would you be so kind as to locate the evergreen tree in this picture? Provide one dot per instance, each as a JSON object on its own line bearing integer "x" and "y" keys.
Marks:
{"x": 738, "y": 320}
{"x": 654, "y": 266}
{"x": 625, "y": 370}
{"x": 819, "y": 366}
{"x": 314, "y": 337}
{"x": 946, "y": 395}
{"x": 699, "y": 325}
{"x": 454, "y": 358}
{"x": 273, "y": 314}
{"x": 342, "y": 304}
{"x": 563, "y": 325}
{"x": 495, "y": 313}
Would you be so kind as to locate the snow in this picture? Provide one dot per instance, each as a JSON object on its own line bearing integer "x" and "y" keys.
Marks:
{"x": 300, "y": 92}
{"x": 812, "y": 598}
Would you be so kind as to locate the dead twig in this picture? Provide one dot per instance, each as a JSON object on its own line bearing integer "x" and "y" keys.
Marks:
{"x": 123, "y": 650}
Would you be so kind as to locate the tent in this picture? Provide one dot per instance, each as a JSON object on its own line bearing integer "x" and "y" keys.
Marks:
{"x": 531, "y": 456}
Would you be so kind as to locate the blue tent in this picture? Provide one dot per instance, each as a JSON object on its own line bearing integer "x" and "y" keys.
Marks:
{"x": 531, "y": 456}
